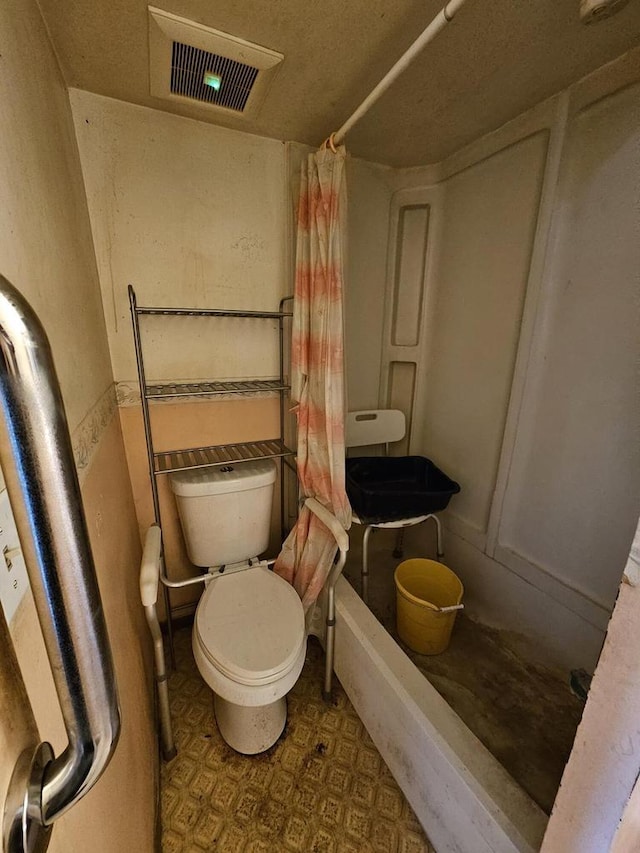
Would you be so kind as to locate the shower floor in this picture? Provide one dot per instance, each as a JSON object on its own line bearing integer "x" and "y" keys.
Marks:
{"x": 525, "y": 714}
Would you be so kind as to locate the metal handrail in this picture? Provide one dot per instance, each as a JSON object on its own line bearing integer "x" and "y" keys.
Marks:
{"x": 342, "y": 541}
{"x": 150, "y": 569}
{"x": 37, "y": 460}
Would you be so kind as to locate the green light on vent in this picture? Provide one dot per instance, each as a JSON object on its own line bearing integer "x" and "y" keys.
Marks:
{"x": 213, "y": 80}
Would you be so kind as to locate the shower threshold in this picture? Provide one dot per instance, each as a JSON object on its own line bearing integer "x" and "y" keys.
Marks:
{"x": 477, "y": 737}
{"x": 456, "y": 787}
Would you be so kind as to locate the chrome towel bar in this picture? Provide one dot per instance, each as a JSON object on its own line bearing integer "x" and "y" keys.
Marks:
{"x": 37, "y": 460}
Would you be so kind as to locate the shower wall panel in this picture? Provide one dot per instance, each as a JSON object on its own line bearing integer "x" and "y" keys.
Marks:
{"x": 369, "y": 189}
{"x": 489, "y": 216}
{"x": 414, "y": 223}
{"x": 401, "y": 395}
{"x": 510, "y": 341}
{"x": 573, "y": 495}
{"x": 411, "y": 252}
{"x": 404, "y": 311}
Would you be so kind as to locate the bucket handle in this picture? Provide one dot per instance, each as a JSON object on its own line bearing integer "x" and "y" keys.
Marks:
{"x": 449, "y": 609}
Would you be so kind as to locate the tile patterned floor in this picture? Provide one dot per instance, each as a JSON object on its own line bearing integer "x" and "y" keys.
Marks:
{"x": 322, "y": 788}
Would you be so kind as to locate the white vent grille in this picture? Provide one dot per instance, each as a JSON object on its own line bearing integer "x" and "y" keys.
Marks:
{"x": 190, "y": 62}
{"x": 234, "y": 79}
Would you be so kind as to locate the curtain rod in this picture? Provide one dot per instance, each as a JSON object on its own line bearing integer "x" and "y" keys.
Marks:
{"x": 440, "y": 21}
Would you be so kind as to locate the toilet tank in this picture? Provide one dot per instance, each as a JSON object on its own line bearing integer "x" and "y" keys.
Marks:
{"x": 225, "y": 512}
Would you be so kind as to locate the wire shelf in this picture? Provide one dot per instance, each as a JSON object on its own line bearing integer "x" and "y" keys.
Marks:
{"x": 203, "y": 389}
{"x": 211, "y": 312}
{"x": 222, "y": 454}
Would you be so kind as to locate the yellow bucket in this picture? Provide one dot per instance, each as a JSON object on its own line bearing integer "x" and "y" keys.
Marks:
{"x": 428, "y": 596}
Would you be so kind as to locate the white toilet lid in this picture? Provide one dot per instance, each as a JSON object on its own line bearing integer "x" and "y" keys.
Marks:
{"x": 250, "y": 625}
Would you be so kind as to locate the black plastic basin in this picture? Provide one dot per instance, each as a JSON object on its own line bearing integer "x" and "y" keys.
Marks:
{"x": 389, "y": 488}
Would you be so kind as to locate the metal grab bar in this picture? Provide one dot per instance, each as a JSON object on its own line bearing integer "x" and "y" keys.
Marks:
{"x": 37, "y": 460}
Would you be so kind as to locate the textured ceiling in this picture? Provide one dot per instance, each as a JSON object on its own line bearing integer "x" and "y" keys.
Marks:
{"x": 495, "y": 60}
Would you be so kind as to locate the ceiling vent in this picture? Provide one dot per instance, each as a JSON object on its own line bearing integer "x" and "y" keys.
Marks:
{"x": 190, "y": 62}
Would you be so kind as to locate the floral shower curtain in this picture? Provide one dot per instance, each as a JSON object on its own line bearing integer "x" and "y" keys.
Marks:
{"x": 317, "y": 375}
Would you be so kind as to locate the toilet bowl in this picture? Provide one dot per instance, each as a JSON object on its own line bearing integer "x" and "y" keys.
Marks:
{"x": 249, "y": 638}
{"x": 249, "y": 644}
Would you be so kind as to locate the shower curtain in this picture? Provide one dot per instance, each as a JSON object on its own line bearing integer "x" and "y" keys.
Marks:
{"x": 317, "y": 375}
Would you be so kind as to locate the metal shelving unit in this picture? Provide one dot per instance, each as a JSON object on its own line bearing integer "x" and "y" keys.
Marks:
{"x": 165, "y": 462}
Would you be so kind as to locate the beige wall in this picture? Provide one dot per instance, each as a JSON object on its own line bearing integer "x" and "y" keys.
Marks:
{"x": 627, "y": 834}
{"x": 131, "y": 776}
{"x": 602, "y": 770}
{"x": 45, "y": 242}
{"x": 46, "y": 251}
{"x": 191, "y": 215}
{"x": 192, "y": 424}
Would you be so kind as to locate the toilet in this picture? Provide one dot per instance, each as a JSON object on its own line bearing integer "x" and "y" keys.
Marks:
{"x": 249, "y": 638}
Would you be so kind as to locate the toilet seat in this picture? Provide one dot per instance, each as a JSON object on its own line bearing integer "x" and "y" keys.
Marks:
{"x": 250, "y": 626}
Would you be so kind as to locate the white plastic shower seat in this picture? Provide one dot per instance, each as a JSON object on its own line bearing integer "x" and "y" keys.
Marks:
{"x": 374, "y": 427}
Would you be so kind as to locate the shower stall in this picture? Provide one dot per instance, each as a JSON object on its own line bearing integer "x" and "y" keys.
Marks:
{"x": 492, "y": 298}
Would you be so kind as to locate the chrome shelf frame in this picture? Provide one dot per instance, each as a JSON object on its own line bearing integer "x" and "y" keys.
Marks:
{"x": 165, "y": 462}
